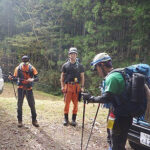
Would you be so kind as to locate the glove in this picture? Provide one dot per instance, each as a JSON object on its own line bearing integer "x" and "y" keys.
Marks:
{"x": 91, "y": 99}
{"x": 87, "y": 97}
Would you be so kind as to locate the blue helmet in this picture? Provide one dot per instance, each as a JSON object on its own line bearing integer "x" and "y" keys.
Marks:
{"x": 101, "y": 57}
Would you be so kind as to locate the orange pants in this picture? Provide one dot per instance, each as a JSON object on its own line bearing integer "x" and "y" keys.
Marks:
{"x": 71, "y": 93}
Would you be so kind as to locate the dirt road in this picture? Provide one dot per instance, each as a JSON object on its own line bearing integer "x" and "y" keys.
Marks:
{"x": 51, "y": 135}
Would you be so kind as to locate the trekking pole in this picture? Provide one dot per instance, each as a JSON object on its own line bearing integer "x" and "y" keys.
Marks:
{"x": 92, "y": 126}
{"x": 13, "y": 86}
{"x": 83, "y": 122}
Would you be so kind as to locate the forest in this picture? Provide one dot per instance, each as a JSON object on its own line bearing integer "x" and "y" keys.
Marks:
{"x": 46, "y": 29}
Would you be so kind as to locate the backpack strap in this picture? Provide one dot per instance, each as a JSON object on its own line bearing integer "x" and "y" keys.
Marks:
{"x": 21, "y": 73}
{"x": 29, "y": 70}
{"x": 122, "y": 98}
{"x": 120, "y": 70}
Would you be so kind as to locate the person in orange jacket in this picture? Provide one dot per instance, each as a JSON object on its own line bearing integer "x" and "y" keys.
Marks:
{"x": 25, "y": 74}
{"x": 72, "y": 75}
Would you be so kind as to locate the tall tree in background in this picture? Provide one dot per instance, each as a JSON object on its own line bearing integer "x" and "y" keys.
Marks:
{"x": 45, "y": 29}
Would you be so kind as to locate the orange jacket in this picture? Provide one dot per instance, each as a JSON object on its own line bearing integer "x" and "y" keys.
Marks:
{"x": 24, "y": 72}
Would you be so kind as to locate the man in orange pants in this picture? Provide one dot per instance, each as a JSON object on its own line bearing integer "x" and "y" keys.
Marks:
{"x": 72, "y": 75}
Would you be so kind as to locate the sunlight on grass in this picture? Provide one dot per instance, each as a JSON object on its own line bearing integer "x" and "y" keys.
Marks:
{"x": 53, "y": 110}
{"x": 49, "y": 107}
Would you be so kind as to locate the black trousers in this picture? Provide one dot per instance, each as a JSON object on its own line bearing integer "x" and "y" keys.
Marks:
{"x": 118, "y": 135}
{"x": 30, "y": 98}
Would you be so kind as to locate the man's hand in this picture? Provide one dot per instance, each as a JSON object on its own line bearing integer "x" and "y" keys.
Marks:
{"x": 87, "y": 97}
{"x": 63, "y": 89}
{"x": 10, "y": 77}
{"x": 82, "y": 89}
{"x": 30, "y": 80}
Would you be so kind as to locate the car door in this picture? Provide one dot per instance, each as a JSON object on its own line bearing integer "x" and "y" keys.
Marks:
{"x": 1, "y": 81}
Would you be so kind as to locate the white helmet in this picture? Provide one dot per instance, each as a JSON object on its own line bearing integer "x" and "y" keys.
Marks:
{"x": 101, "y": 57}
{"x": 73, "y": 50}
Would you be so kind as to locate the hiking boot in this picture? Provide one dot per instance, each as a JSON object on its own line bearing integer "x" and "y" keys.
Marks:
{"x": 73, "y": 122}
{"x": 66, "y": 122}
{"x": 35, "y": 123}
{"x": 20, "y": 124}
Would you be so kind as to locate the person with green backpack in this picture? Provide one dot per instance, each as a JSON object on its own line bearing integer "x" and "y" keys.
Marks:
{"x": 116, "y": 91}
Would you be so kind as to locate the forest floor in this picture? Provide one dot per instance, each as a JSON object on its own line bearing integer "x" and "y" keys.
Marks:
{"x": 51, "y": 135}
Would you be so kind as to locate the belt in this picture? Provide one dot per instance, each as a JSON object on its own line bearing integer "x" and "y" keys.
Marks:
{"x": 72, "y": 83}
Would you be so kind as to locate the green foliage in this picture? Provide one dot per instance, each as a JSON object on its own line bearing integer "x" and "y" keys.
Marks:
{"x": 46, "y": 29}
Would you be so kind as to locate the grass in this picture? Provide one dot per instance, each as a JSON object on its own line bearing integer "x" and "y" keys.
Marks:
{"x": 48, "y": 106}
